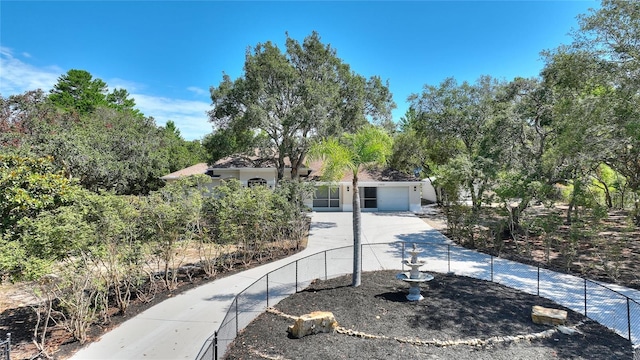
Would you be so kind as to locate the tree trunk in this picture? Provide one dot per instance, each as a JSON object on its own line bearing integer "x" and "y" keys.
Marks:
{"x": 608, "y": 198}
{"x": 357, "y": 231}
{"x": 280, "y": 168}
{"x": 296, "y": 162}
{"x": 636, "y": 216}
{"x": 569, "y": 211}
{"x": 516, "y": 213}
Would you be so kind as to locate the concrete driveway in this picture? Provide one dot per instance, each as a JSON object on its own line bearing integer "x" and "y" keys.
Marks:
{"x": 178, "y": 327}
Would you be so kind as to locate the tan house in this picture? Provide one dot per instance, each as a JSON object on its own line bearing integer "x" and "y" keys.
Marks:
{"x": 379, "y": 190}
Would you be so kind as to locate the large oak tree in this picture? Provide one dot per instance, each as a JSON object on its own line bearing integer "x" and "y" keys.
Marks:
{"x": 293, "y": 97}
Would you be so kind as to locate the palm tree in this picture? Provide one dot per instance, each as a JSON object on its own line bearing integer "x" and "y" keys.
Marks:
{"x": 349, "y": 153}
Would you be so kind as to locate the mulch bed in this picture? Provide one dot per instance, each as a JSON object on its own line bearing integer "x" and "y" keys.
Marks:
{"x": 454, "y": 308}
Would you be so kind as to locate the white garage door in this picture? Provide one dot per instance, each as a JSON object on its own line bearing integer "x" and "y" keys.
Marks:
{"x": 393, "y": 198}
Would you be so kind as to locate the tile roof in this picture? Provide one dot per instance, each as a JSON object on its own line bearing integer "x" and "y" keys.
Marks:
{"x": 196, "y": 169}
{"x": 365, "y": 174}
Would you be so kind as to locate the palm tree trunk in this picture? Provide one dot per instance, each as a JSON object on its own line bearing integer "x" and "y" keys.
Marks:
{"x": 357, "y": 232}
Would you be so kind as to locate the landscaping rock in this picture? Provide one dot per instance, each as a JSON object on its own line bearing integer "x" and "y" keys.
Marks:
{"x": 547, "y": 316}
{"x": 567, "y": 330}
{"x": 313, "y": 323}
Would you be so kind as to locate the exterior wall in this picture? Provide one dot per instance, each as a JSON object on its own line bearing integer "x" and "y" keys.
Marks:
{"x": 245, "y": 174}
{"x": 268, "y": 174}
{"x": 415, "y": 198}
{"x": 429, "y": 191}
{"x": 414, "y": 188}
{"x": 346, "y": 194}
{"x": 346, "y": 197}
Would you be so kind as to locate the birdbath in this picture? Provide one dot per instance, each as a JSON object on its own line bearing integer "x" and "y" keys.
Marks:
{"x": 414, "y": 277}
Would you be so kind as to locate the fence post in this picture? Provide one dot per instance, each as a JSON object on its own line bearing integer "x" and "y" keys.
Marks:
{"x": 449, "y": 258}
{"x": 326, "y": 273}
{"x": 403, "y": 248}
{"x": 538, "y": 280}
{"x": 491, "y": 268}
{"x": 268, "y": 289}
{"x": 296, "y": 276}
{"x": 585, "y": 296}
{"x": 237, "y": 320}
{"x": 215, "y": 345}
{"x": 629, "y": 319}
{"x": 6, "y": 346}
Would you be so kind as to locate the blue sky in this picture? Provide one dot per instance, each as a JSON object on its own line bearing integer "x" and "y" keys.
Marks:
{"x": 167, "y": 54}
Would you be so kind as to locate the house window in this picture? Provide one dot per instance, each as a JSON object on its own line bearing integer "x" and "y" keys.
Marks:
{"x": 326, "y": 197}
{"x": 370, "y": 198}
{"x": 256, "y": 182}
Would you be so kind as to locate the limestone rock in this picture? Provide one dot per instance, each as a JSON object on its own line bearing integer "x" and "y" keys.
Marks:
{"x": 547, "y": 316}
{"x": 313, "y": 323}
{"x": 568, "y": 331}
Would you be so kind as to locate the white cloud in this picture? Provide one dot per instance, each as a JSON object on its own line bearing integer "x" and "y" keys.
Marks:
{"x": 16, "y": 77}
{"x": 189, "y": 116}
{"x": 197, "y": 90}
{"x": 130, "y": 86}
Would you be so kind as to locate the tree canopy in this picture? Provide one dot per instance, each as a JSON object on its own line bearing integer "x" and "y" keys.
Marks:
{"x": 96, "y": 137}
{"x": 292, "y": 98}
{"x": 519, "y": 142}
{"x": 77, "y": 90}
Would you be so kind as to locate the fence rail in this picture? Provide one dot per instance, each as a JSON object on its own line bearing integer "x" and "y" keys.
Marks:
{"x": 5, "y": 348}
{"x": 607, "y": 306}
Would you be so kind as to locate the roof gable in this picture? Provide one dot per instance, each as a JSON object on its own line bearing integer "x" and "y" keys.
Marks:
{"x": 239, "y": 161}
{"x": 369, "y": 173}
{"x": 196, "y": 169}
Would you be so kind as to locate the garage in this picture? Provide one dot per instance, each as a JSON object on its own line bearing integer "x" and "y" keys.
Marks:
{"x": 393, "y": 198}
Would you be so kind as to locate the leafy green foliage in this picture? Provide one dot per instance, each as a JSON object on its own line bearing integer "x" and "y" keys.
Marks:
{"x": 94, "y": 136}
{"x": 78, "y": 91}
{"x": 29, "y": 186}
{"x": 455, "y": 124}
{"x": 596, "y": 80}
{"x": 112, "y": 150}
{"x": 226, "y": 141}
{"x": 255, "y": 218}
{"x": 170, "y": 218}
{"x": 181, "y": 153}
{"x": 107, "y": 149}
{"x": 292, "y": 98}
{"x": 349, "y": 153}
{"x": 26, "y": 120}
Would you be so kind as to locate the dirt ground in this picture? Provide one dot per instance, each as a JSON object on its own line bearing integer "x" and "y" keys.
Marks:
{"x": 454, "y": 308}
{"x": 605, "y": 250}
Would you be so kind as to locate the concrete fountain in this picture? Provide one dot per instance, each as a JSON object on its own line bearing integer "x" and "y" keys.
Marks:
{"x": 414, "y": 277}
